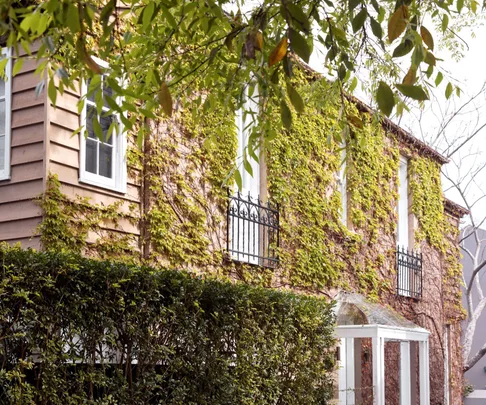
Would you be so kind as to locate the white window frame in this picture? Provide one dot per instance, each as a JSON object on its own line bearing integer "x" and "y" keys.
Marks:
{"x": 118, "y": 182}
{"x": 5, "y": 172}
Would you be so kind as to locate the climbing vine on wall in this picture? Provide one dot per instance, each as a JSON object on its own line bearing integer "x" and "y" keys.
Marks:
{"x": 67, "y": 224}
{"x": 185, "y": 188}
{"x": 188, "y": 188}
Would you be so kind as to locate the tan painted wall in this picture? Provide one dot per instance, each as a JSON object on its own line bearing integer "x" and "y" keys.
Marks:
{"x": 19, "y": 214}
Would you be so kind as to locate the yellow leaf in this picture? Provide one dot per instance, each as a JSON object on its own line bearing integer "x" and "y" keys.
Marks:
{"x": 397, "y": 23}
{"x": 427, "y": 37}
{"x": 258, "y": 41}
{"x": 278, "y": 52}
{"x": 411, "y": 76}
{"x": 165, "y": 99}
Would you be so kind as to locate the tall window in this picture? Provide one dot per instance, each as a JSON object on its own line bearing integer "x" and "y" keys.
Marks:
{"x": 103, "y": 160}
{"x": 343, "y": 187}
{"x": 244, "y": 124}
{"x": 253, "y": 225}
{"x": 403, "y": 231}
{"x": 5, "y": 114}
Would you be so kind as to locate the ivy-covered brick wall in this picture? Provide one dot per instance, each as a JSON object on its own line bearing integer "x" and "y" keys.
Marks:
{"x": 183, "y": 220}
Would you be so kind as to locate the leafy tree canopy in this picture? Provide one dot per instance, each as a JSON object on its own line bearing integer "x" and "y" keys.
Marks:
{"x": 162, "y": 53}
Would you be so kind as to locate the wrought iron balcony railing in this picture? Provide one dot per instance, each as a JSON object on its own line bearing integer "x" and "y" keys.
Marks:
{"x": 409, "y": 273}
{"x": 252, "y": 230}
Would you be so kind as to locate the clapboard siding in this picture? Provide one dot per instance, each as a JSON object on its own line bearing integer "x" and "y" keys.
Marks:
{"x": 32, "y": 242}
{"x": 19, "y": 229}
{"x": 12, "y": 211}
{"x": 19, "y": 213}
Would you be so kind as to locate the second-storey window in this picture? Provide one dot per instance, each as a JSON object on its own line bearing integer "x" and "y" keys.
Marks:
{"x": 253, "y": 225}
{"x": 103, "y": 161}
{"x": 343, "y": 189}
{"x": 409, "y": 262}
{"x": 5, "y": 114}
{"x": 402, "y": 228}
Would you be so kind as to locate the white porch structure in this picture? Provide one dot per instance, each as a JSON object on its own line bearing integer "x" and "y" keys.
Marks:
{"x": 357, "y": 319}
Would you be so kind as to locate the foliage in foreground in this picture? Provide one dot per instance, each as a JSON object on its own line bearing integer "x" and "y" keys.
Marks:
{"x": 75, "y": 330}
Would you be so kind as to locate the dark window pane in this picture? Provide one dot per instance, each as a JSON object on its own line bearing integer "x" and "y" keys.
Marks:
{"x": 106, "y": 156}
{"x": 90, "y": 115}
{"x": 91, "y": 155}
{"x": 105, "y": 122}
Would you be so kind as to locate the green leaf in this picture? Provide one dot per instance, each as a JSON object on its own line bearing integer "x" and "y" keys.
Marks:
{"x": 299, "y": 45}
{"x": 385, "y": 98}
{"x": 474, "y": 6}
{"x": 107, "y": 11}
{"x": 418, "y": 55}
{"x": 445, "y": 22}
{"x": 342, "y": 72}
{"x": 52, "y": 91}
{"x": 17, "y": 66}
{"x": 353, "y": 84}
{"x": 295, "y": 98}
{"x": 415, "y": 92}
{"x": 97, "y": 128}
{"x": 397, "y": 23}
{"x": 448, "y": 90}
{"x": 72, "y": 18}
{"x": 403, "y": 48}
{"x": 246, "y": 164}
{"x": 168, "y": 16}
{"x": 285, "y": 114}
{"x": 238, "y": 179}
{"x": 298, "y": 14}
{"x": 376, "y": 28}
{"x": 359, "y": 20}
{"x": 438, "y": 79}
{"x": 353, "y": 4}
{"x": 148, "y": 13}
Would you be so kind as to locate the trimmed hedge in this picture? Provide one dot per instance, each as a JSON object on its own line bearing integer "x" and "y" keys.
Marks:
{"x": 80, "y": 331}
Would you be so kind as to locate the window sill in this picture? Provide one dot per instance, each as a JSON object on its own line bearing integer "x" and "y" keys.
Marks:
{"x": 103, "y": 185}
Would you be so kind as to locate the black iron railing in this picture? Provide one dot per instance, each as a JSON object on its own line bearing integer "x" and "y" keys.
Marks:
{"x": 409, "y": 273}
{"x": 253, "y": 230}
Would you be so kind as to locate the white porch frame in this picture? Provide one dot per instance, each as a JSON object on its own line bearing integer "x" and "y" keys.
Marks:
{"x": 379, "y": 334}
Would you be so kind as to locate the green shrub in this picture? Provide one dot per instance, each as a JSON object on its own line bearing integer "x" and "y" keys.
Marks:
{"x": 80, "y": 331}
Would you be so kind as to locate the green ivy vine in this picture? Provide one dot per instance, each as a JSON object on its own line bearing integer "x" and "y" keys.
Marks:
{"x": 185, "y": 189}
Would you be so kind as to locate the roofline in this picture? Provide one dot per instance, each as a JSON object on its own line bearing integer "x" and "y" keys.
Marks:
{"x": 454, "y": 209}
{"x": 403, "y": 136}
